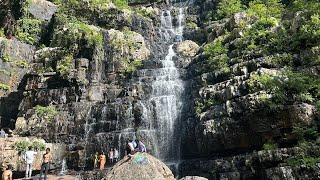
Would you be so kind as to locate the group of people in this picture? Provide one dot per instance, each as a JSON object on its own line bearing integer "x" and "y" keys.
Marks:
{"x": 134, "y": 147}
{"x": 29, "y": 157}
{"x": 113, "y": 156}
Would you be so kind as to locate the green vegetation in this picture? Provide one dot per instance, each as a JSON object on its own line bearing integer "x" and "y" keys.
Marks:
{"x": 70, "y": 32}
{"x": 297, "y": 86}
{"x": 145, "y": 12}
{"x": 23, "y": 145}
{"x": 307, "y": 161}
{"x": 64, "y": 65}
{"x": 48, "y": 113}
{"x": 228, "y": 7}
{"x": 4, "y": 87}
{"x": 122, "y": 4}
{"x": 203, "y": 105}
{"x": 22, "y": 63}
{"x": 2, "y": 32}
{"x": 133, "y": 66}
{"x": 269, "y": 145}
{"x": 265, "y": 9}
{"x": 6, "y": 58}
{"x": 29, "y": 30}
{"x": 191, "y": 25}
{"x": 305, "y": 133}
{"x": 217, "y": 57}
{"x": 281, "y": 60}
{"x": 125, "y": 44}
{"x": 318, "y": 105}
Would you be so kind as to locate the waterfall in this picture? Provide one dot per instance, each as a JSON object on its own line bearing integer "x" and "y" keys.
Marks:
{"x": 63, "y": 170}
{"x": 165, "y": 102}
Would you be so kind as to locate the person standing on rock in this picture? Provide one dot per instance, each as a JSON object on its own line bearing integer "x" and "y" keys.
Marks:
{"x": 7, "y": 174}
{"x": 102, "y": 160}
{"x": 96, "y": 160}
{"x": 29, "y": 157}
{"x": 130, "y": 148}
{"x": 140, "y": 146}
{"x": 47, "y": 159}
{"x": 115, "y": 155}
{"x": 111, "y": 155}
{"x": 3, "y": 134}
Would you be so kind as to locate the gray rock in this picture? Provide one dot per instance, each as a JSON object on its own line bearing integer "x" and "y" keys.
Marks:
{"x": 42, "y": 9}
{"x": 141, "y": 166}
{"x": 237, "y": 19}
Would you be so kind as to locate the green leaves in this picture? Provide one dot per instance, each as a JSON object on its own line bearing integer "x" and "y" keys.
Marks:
{"x": 227, "y": 8}
{"x": 217, "y": 57}
{"x": 23, "y": 145}
{"x": 64, "y": 65}
{"x": 29, "y": 30}
{"x": 47, "y": 113}
{"x": 4, "y": 87}
{"x": 265, "y": 9}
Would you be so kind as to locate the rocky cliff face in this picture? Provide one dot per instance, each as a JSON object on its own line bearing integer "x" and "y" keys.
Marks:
{"x": 196, "y": 82}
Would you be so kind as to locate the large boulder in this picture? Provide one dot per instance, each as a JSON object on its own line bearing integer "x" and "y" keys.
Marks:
{"x": 188, "y": 48}
{"x": 142, "y": 166}
{"x": 42, "y": 9}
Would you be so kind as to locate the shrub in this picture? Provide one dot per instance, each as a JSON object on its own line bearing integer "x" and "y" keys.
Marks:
{"x": 4, "y": 87}
{"x": 228, "y": 7}
{"x": 6, "y": 58}
{"x": 265, "y": 9}
{"x": 284, "y": 59}
{"x": 29, "y": 30}
{"x": 307, "y": 161}
{"x": 217, "y": 57}
{"x": 303, "y": 87}
{"x": 64, "y": 65}
{"x": 318, "y": 105}
{"x": 22, "y": 63}
{"x": 23, "y": 145}
{"x": 215, "y": 48}
{"x": 2, "y": 32}
{"x": 203, "y": 105}
{"x": 47, "y": 113}
{"x": 305, "y": 133}
{"x": 70, "y": 32}
{"x": 270, "y": 145}
{"x": 122, "y": 4}
{"x": 134, "y": 65}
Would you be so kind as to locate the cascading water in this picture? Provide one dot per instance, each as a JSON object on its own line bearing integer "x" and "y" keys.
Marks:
{"x": 63, "y": 170}
{"x": 165, "y": 102}
{"x": 159, "y": 124}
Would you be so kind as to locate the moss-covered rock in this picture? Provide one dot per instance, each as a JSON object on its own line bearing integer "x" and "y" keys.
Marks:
{"x": 127, "y": 50}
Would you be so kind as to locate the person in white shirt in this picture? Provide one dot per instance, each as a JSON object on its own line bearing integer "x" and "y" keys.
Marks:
{"x": 115, "y": 155}
{"x": 3, "y": 134}
{"x": 130, "y": 148}
{"x": 29, "y": 157}
{"x": 111, "y": 155}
